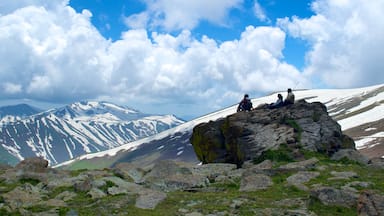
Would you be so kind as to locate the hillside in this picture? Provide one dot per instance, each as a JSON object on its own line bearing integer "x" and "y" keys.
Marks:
{"x": 79, "y": 128}
{"x": 358, "y": 111}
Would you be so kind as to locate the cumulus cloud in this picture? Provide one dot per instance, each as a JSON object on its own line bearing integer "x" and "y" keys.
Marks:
{"x": 178, "y": 15}
{"x": 54, "y": 54}
{"x": 346, "y": 39}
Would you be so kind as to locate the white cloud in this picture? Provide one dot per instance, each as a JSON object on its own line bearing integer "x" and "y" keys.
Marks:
{"x": 178, "y": 15}
{"x": 260, "y": 12}
{"x": 55, "y": 54}
{"x": 347, "y": 43}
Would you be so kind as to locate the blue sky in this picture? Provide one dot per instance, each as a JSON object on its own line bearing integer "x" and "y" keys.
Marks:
{"x": 186, "y": 58}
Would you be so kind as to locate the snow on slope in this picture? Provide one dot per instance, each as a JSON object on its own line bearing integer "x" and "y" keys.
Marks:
{"x": 84, "y": 127}
{"x": 341, "y": 104}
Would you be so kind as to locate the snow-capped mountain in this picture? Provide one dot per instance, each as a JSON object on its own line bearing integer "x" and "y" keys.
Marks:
{"x": 79, "y": 128}
{"x": 16, "y": 112}
{"x": 360, "y": 112}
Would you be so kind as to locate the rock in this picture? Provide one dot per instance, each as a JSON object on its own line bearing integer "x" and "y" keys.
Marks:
{"x": 172, "y": 175}
{"x": 83, "y": 186}
{"x": 122, "y": 185}
{"x": 350, "y": 154}
{"x": 215, "y": 172}
{"x": 96, "y": 193}
{"x": 343, "y": 175}
{"x": 300, "y": 178}
{"x": 35, "y": 164}
{"x": 149, "y": 199}
{"x": 54, "y": 203}
{"x": 245, "y": 136}
{"x": 129, "y": 171}
{"x": 66, "y": 196}
{"x": 23, "y": 196}
{"x": 332, "y": 196}
{"x": 370, "y": 203}
{"x": 301, "y": 165}
{"x": 253, "y": 182}
{"x": 116, "y": 190}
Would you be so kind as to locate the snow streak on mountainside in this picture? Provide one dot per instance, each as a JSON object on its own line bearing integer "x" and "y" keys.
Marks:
{"x": 85, "y": 127}
{"x": 360, "y": 112}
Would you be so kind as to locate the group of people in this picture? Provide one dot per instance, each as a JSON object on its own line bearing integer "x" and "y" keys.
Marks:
{"x": 246, "y": 104}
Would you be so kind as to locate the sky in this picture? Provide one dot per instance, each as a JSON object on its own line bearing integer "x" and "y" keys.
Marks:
{"x": 187, "y": 58}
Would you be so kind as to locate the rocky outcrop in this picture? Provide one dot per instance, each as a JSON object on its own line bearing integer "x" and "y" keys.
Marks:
{"x": 246, "y": 135}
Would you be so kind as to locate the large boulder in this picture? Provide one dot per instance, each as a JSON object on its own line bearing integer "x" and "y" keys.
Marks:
{"x": 246, "y": 135}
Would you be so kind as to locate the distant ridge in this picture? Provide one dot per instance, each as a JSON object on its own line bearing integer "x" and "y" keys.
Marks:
{"x": 76, "y": 129}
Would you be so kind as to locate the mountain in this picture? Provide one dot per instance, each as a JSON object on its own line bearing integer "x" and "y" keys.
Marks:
{"x": 16, "y": 112}
{"x": 79, "y": 128}
{"x": 359, "y": 112}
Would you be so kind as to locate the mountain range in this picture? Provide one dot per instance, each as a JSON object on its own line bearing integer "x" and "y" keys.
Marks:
{"x": 65, "y": 133}
{"x": 360, "y": 112}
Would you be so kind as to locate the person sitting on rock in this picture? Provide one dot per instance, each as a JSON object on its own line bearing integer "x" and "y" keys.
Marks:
{"x": 290, "y": 99}
{"x": 278, "y": 103}
{"x": 245, "y": 104}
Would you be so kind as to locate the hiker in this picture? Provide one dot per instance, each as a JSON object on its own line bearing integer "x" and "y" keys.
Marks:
{"x": 278, "y": 103}
{"x": 290, "y": 99}
{"x": 245, "y": 104}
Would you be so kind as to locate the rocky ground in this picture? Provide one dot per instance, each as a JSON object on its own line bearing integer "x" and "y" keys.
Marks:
{"x": 315, "y": 185}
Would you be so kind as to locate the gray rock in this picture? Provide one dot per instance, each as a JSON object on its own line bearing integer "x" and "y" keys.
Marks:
{"x": 254, "y": 182}
{"x": 129, "y": 171}
{"x": 149, "y": 199}
{"x": 122, "y": 185}
{"x": 23, "y": 196}
{"x": 96, "y": 193}
{"x": 245, "y": 136}
{"x": 350, "y": 154}
{"x": 300, "y": 178}
{"x": 34, "y": 164}
{"x": 66, "y": 196}
{"x": 172, "y": 175}
{"x": 116, "y": 190}
{"x": 370, "y": 203}
{"x": 342, "y": 175}
{"x": 301, "y": 165}
{"x": 332, "y": 196}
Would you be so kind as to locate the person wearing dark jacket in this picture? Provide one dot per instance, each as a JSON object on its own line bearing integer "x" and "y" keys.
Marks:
{"x": 290, "y": 99}
{"x": 278, "y": 103}
{"x": 245, "y": 104}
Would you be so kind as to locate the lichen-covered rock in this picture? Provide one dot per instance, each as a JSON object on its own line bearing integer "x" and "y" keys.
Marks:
{"x": 332, "y": 196}
{"x": 370, "y": 203}
{"x": 251, "y": 181}
{"x": 246, "y": 135}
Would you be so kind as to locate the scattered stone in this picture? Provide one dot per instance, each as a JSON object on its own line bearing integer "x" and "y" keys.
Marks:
{"x": 116, "y": 190}
{"x": 66, "y": 196}
{"x": 266, "y": 164}
{"x": 301, "y": 165}
{"x": 34, "y": 164}
{"x": 149, "y": 199}
{"x": 350, "y": 154}
{"x": 300, "y": 203}
{"x": 194, "y": 214}
{"x": 342, "y": 175}
{"x": 96, "y": 193}
{"x": 332, "y": 196}
{"x": 83, "y": 186}
{"x": 300, "y": 178}
{"x": 129, "y": 171}
{"x": 254, "y": 182}
{"x": 23, "y": 196}
{"x": 370, "y": 203}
